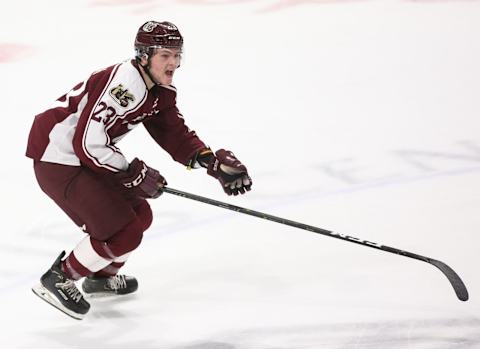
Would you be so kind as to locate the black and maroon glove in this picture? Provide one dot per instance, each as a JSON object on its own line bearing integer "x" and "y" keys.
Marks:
{"x": 230, "y": 172}
{"x": 142, "y": 180}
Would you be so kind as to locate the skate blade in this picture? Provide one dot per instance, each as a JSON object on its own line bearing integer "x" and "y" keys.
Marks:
{"x": 45, "y": 294}
{"x": 105, "y": 295}
{"x": 99, "y": 295}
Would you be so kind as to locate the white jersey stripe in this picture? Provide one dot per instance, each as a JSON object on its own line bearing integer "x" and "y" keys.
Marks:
{"x": 123, "y": 258}
{"x": 88, "y": 257}
{"x": 95, "y": 140}
{"x": 61, "y": 152}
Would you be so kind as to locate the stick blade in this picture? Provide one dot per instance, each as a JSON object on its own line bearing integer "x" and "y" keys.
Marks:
{"x": 453, "y": 277}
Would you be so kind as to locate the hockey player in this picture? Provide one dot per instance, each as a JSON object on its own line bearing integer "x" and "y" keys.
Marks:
{"x": 78, "y": 165}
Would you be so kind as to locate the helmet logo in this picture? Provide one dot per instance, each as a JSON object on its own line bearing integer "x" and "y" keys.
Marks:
{"x": 154, "y": 34}
{"x": 169, "y": 26}
{"x": 149, "y": 26}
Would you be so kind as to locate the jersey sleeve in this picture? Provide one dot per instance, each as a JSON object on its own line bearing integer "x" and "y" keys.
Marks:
{"x": 169, "y": 130}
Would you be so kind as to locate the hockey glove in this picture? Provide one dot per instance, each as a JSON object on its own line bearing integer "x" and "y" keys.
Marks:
{"x": 230, "y": 172}
{"x": 142, "y": 180}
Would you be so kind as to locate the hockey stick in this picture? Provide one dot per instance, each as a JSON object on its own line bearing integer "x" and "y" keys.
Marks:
{"x": 451, "y": 275}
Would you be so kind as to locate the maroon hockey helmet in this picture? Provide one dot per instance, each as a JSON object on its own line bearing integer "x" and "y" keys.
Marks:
{"x": 153, "y": 35}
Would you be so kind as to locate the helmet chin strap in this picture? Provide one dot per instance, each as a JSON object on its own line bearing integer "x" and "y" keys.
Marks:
{"x": 146, "y": 69}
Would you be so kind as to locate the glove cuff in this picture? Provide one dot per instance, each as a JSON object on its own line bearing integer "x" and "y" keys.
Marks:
{"x": 202, "y": 158}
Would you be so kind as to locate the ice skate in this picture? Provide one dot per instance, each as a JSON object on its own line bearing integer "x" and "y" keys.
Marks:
{"x": 58, "y": 290}
{"x": 113, "y": 285}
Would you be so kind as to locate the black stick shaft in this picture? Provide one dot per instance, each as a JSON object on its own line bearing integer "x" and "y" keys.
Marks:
{"x": 452, "y": 276}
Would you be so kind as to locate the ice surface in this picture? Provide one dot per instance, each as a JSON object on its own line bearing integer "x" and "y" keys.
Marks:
{"x": 360, "y": 117}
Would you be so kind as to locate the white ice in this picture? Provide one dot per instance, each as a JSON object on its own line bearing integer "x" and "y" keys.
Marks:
{"x": 360, "y": 117}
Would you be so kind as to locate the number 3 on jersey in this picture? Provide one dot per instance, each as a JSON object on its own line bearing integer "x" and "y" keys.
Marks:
{"x": 103, "y": 112}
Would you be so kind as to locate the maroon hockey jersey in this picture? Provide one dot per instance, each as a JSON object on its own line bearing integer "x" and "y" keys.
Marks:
{"x": 84, "y": 126}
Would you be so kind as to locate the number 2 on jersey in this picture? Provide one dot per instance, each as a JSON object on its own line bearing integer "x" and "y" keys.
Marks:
{"x": 108, "y": 113}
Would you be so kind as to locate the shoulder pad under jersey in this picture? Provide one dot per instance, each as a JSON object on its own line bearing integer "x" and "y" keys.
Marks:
{"x": 126, "y": 90}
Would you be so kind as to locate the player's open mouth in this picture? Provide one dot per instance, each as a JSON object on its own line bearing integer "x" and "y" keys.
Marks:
{"x": 169, "y": 73}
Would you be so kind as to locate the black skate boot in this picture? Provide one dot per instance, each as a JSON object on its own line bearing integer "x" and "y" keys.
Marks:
{"x": 112, "y": 285}
{"x": 60, "y": 291}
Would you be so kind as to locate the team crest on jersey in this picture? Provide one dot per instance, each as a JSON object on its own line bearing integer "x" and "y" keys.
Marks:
{"x": 121, "y": 95}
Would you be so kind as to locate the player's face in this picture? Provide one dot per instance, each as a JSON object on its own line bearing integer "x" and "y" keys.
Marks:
{"x": 164, "y": 63}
